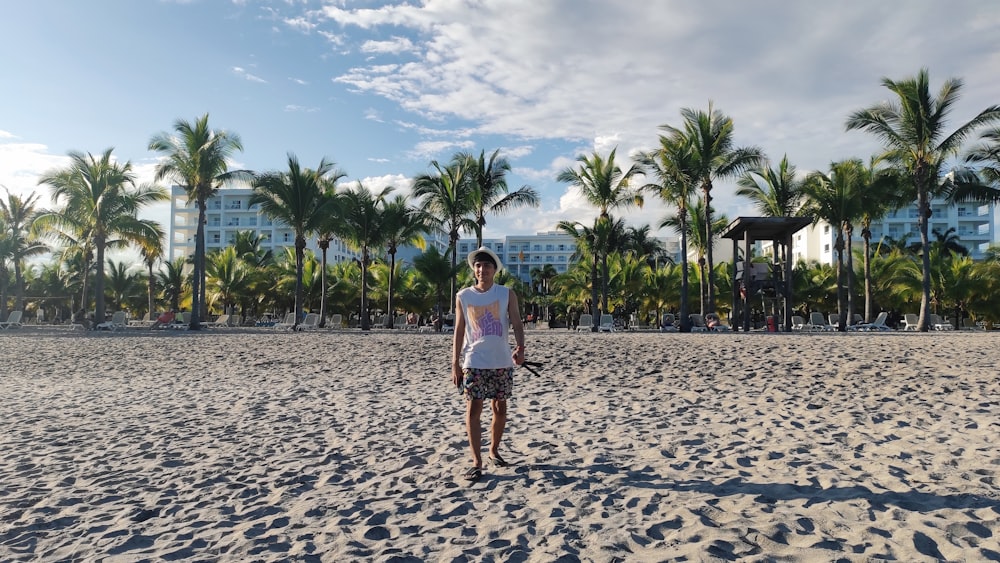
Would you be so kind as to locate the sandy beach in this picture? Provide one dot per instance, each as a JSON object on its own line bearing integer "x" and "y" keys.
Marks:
{"x": 342, "y": 446}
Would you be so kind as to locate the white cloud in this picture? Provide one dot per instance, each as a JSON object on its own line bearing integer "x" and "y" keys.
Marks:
{"x": 394, "y": 46}
{"x": 298, "y": 81}
{"x": 300, "y": 24}
{"x": 242, "y": 73}
{"x": 302, "y": 109}
{"x": 435, "y": 149}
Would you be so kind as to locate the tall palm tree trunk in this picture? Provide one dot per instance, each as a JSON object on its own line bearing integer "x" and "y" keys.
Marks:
{"x": 840, "y": 280}
{"x": 685, "y": 290}
{"x": 923, "y": 209}
{"x": 323, "y": 246}
{"x": 453, "y": 238}
{"x": 709, "y": 305}
{"x": 19, "y": 285}
{"x": 300, "y": 252}
{"x": 869, "y": 302}
{"x": 365, "y": 321}
{"x": 850, "y": 276}
{"x": 99, "y": 281}
{"x": 594, "y": 296}
{"x": 150, "y": 289}
{"x": 198, "y": 281}
{"x": 392, "y": 272}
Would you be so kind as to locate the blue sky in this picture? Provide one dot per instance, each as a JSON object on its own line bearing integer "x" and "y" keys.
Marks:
{"x": 383, "y": 88}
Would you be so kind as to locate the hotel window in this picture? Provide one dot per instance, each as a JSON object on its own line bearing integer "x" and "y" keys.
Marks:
{"x": 215, "y": 238}
{"x": 548, "y": 247}
{"x": 237, "y": 204}
{"x": 826, "y": 248}
{"x": 963, "y": 211}
{"x": 500, "y": 249}
{"x": 826, "y": 229}
{"x": 284, "y": 237}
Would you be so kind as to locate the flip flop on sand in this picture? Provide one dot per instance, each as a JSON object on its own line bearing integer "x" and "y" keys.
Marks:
{"x": 498, "y": 461}
{"x": 473, "y": 474}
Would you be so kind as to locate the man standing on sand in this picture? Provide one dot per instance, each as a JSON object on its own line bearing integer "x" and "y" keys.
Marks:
{"x": 482, "y": 364}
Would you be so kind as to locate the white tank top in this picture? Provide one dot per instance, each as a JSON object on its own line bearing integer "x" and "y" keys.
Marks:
{"x": 486, "y": 326}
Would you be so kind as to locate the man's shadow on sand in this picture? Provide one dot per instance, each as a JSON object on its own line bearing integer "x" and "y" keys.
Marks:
{"x": 770, "y": 493}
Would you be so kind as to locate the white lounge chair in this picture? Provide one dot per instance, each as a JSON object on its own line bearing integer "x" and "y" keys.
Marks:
{"x": 937, "y": 323}
{"x": 607, "y": 324}
{"x": 336, "y": 322}
{"x": 13, "y": 320}
{"x": 877, "y": 325}
{"x": 311, "y": 322}
{"x": 147, "y": 320}
{"x": 910, "y": 321}
{"x": 222, "y": 320}
{"x": 798, "y": 323}
{"x": 817, "y": 322}
{"x": 586, "y": 323}
{"x": 286, "y": 324}
{"x": 697, "y": 322}
{"x": 118, "y": 322}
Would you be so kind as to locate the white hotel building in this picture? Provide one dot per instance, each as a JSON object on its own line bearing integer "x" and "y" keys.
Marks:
{"x": 974, "y": 225}
{"x": 229, "y": 212}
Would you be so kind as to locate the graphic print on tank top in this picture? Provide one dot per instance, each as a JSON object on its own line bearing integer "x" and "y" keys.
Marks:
{"x": 485, "y": 320}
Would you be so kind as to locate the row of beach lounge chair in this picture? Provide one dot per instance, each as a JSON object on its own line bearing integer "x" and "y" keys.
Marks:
{"x": 817, "y": 322}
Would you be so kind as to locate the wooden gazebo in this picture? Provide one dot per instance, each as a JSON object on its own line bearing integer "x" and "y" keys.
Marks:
{"x": 753, "y": 279}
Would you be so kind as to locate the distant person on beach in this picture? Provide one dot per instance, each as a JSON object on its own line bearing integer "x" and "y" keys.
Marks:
{"x": 81, "y": 319}
{"x": 163, "y": 320}
{"x": 482, "y": 364}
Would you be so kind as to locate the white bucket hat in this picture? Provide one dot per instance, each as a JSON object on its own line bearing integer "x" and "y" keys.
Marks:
{"x": 471, "y": 259}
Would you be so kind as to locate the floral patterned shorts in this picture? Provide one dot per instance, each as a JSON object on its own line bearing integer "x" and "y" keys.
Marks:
{"x": 488, "y": 383}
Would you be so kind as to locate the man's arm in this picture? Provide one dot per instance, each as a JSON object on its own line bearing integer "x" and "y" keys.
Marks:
{"x": 514, "y": 314}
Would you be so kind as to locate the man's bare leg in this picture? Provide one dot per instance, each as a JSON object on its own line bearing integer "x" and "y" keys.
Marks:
{"x": 497, "y": 425}
{"x": 473, "y": 412}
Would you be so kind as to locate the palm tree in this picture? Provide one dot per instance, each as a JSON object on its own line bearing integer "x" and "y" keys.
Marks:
{"x": 673, "y": 165}
{"x": 714, "y": 158}
{"x": 361, "y": 227}
{"x": 696, "y": 238}
{"x": 404, "y": 225}
{"x": 912, "y": 129}
{"x": 834, "y": 198}
{"x": 434, "y": 268}
{"x": 6, "y": 254}
{"x": 489, "y": 188}
{"x": 586, "y": 239}
{"x": 775, "y": 192}
{"x": 17, "y": 217}
{"x": 151, "y": 250}
{"x": 172, "y": 280}
{"x": 605, "y": 186}
{"x": 227, "y": 277}
{"x": 298, "y": 199}
{"x": 447, "y": 201}
{"x": 100, "y": 206}
{"x": 124, "y": 287}
{"x": 880, "y": 193}
{"x": 197, "y": 159}
{"x": 323, "y": 240}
